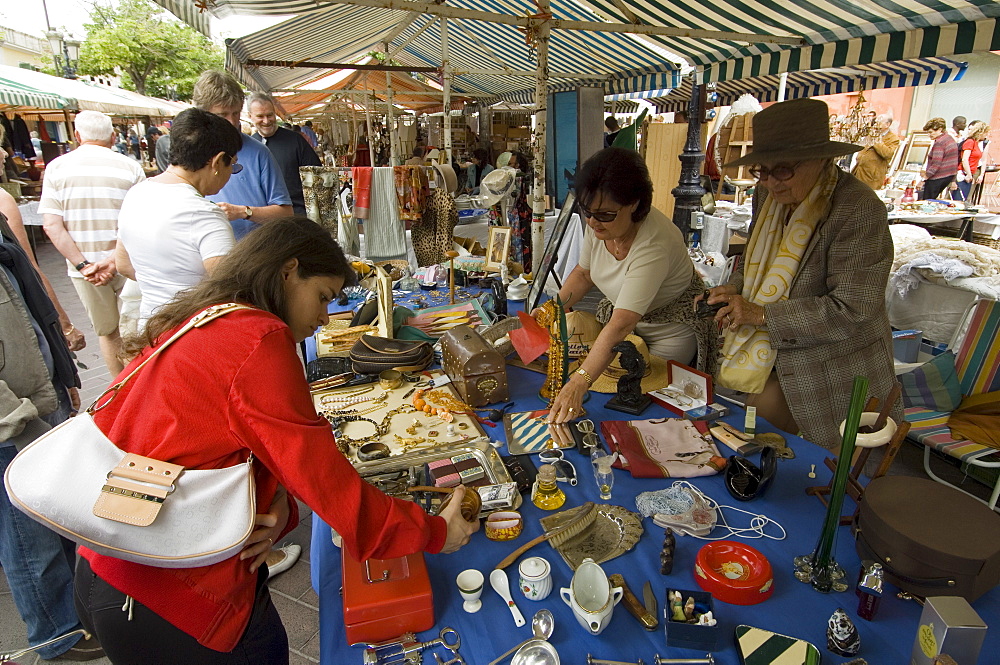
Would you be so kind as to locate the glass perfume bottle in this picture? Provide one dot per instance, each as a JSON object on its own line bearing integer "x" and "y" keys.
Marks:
{"x": 546, "y": 493}
{"x": 604, "y": 474}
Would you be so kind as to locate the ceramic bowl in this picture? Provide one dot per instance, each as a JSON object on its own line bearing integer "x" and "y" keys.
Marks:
{"x": 504, "y": 525}
{"x": 734, "y": 573}
{"x": 873, "y": 439}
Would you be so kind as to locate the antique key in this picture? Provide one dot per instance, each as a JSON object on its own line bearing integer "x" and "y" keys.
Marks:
{"x": 407, "y": 650}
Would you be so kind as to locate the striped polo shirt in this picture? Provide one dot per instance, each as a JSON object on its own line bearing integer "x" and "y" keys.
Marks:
{"x": 86, "y": 187}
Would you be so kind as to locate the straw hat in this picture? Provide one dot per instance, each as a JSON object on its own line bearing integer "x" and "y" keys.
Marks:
{"x": 583, "y": 328}
{"x": 794, "y": 130}
{"x": 446, "y": 174}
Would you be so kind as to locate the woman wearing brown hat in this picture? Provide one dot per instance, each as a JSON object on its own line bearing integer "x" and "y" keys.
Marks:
{"x": 805, "y": 312}
{"x": 637, "y": 257}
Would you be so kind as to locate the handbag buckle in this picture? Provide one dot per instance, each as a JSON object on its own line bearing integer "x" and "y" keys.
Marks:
{"x": 136, "y": 489}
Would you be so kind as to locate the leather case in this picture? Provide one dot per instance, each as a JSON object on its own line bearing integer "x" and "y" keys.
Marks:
{"x": 371, "y": 355}
{"x": 931, "y": 539}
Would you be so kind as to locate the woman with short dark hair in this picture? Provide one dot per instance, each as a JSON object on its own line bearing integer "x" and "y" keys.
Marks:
{"x": 480, "y": 168}
{"x": 169, "y": 235}
{"x": 219, "y": 393}
{"x": 637, "y": 257}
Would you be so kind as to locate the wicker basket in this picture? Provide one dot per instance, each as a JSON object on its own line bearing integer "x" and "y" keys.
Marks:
{"x": 986, "y": 240}
{"x": 497, "y": 334}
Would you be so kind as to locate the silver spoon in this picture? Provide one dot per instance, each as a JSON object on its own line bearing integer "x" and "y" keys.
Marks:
{"x": 541, "y": 626}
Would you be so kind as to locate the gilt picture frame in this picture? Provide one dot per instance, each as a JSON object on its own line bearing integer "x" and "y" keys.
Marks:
{"x": 498, "y": 248}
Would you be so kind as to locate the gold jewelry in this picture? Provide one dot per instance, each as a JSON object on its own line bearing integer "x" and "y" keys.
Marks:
{"x": 463, "y": 426}
{"x": 585, "y": 374}
{"x": 69, "y": 332}
{"x": 270, "y": 543}
{"x": 763, "y": 316}
{"x": 433, "y": 433}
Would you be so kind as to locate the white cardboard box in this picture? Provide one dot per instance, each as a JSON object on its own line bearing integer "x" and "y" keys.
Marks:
{"x": 948, "y": 625}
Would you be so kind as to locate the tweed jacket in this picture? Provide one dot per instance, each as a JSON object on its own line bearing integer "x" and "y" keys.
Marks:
{"x": 834, "y": 324}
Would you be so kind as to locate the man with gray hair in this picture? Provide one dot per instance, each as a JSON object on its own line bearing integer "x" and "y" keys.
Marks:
{"x": 873, "y": 162}
{"x": 290, "y": 149}
{"x": 257, "y": 194}
{"x": 81, "y": 196}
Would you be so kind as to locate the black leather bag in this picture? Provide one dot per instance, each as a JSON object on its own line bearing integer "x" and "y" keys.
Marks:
{"x": 371, "y": 355}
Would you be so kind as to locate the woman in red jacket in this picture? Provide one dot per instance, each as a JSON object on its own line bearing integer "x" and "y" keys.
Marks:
{"x": 220, "y": 392}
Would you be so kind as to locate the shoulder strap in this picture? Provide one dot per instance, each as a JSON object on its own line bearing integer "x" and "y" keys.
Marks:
{"x": 197, "y": 321}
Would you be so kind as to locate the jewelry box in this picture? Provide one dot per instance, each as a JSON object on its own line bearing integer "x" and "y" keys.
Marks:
{"x": 687, "y": 389}
{"x": 476, "y": 369}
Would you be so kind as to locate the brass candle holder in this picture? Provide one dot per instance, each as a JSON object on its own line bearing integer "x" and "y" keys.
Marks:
{"x": 451, "y": 254}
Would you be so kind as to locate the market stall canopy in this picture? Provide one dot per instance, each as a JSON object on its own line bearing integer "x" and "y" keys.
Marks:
{"x": 25, "y": 99}
{"x": 766, "y": 36}
{"x": 488, "y": 59}
{"x": 899, "y": 74}
{"x": 359, "y": 88}
{"x": 87, "y": 96}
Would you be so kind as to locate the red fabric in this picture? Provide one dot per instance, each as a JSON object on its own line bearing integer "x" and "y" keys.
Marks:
{"x": 975, "y": 154}
{"x": 43, "y": 133}
{"x": 943, "y": 158}
{"x": 362, "y": 186}
{"x": 233, "y": 385}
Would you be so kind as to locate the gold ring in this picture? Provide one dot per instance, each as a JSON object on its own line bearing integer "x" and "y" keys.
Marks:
{"x": 571, "y": 409}
{"x": 270, "y": 542}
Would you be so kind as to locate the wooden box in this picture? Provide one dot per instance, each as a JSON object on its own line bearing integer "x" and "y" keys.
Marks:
{"x": 385, "y": 598}
{"x": 477, "y": 370}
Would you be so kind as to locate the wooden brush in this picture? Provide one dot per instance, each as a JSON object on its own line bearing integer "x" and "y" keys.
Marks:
{"x": 586, "y": 514}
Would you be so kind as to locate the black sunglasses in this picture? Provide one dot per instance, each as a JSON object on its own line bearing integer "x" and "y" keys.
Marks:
{"x": 780, "y": 172}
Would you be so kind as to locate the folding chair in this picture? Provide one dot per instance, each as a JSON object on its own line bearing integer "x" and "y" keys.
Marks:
{"x": 977, "y": 363}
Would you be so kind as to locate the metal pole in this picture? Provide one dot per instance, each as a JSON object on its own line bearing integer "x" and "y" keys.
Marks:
{"x": 782, "y": 85}
{"x": 688, "y": 192}
{"x": 371, "y": 137}
{"x": 541, "y": 30}
{"x": 393, "y": 155}
{"x": 446, "y": 85}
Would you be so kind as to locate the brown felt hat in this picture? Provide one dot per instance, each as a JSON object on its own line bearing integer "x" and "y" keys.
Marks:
{"x": 794, "y": 130}
{"x": 448, "y": 176}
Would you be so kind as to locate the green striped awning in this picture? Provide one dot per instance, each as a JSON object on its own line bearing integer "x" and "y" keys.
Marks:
{"x": 19, "y": 95}
{"x": 896, "y": 74}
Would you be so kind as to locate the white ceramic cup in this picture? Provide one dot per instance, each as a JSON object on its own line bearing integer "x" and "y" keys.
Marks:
{"x": 536, "y": 578}
{"x": 591, "y": 597}
{"x": 470, "y": 585}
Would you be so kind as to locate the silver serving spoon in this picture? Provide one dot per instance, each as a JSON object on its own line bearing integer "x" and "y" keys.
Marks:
{"x": 541, "y": 626}
{"x": 500, "y": 584}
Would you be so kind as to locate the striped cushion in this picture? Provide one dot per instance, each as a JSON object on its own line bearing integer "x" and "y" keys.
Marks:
{"x": 931, "y": 429}
{"x": 934, "y": 385}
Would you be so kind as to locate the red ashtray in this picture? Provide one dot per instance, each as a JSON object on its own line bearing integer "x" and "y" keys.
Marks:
{"x": 734, "y": 573}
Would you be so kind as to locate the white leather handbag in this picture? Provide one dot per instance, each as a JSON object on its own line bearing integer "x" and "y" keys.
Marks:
{"x": 77, "y": 482}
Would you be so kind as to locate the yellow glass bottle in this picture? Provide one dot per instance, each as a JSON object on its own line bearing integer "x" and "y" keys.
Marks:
{"x": 546, "y": 493}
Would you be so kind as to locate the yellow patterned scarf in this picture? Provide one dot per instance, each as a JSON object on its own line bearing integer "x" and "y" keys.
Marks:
{"x": 772, "y": 261}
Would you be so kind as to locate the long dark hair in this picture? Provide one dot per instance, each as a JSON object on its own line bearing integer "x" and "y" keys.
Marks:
{"x": 251, "y": 274}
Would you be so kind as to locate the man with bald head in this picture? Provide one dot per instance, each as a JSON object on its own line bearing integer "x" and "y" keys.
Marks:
{"x": 290, "y": 149}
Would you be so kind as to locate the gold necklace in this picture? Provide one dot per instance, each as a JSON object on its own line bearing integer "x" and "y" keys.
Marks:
{"x": 178, "y": 175}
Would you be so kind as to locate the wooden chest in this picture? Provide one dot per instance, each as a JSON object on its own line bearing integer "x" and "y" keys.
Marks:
{"x": 475, "y": 367}
{"x": 384, "y": 598}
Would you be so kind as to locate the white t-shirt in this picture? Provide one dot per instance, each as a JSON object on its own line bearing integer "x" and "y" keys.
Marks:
{"x": 655, "y": 272}
{"x": 169, "y": 230}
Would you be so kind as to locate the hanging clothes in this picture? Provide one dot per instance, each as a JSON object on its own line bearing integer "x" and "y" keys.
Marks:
{"x": 320, "y": 186}
{"x": 519, "y": 219}
{"x": 43, "y": 132}
{"x": 385, "y": 234}
{"x": 22, "y": 138}
{"x": 362, "y": 177}
{"x": 411, "y": 191}
{"x": 432, "y": 235}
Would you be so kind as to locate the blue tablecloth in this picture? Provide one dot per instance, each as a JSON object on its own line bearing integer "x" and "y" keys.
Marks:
{"x": 793, "y": 609}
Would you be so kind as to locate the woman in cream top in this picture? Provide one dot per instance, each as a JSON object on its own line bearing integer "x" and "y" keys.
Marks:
{"x": 637, "y": 257}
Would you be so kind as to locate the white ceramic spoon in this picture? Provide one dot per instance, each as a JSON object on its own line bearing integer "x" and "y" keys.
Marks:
{"x": 500, "y": 584}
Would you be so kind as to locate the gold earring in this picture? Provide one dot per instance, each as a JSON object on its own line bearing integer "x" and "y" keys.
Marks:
{"x": 216, "y": 173}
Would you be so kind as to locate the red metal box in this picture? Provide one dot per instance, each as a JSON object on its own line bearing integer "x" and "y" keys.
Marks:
{"x": 384, "y": 598}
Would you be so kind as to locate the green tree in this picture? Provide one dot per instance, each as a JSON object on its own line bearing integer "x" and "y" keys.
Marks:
{"x": 154, "y": 53}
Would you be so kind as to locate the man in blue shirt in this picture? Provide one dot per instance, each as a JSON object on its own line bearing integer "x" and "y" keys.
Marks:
{"x": 257, "y": 194}
{"x": 307, "y": 131}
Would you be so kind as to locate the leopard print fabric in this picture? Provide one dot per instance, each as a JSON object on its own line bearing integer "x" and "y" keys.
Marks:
{"x": 432, "y": 235}
{"x": 320, "y": 185}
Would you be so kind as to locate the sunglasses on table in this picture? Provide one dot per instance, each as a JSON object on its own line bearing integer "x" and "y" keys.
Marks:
{"x": 565, "y": 471}
{"x": 780, "y": 172}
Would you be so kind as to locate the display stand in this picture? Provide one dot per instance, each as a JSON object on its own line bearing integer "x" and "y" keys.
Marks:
{"x": 735, "y": 141}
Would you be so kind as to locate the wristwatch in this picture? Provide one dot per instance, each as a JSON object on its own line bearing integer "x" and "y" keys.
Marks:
{"x": 249, "y": 212}
{"x": 81, "y": 265}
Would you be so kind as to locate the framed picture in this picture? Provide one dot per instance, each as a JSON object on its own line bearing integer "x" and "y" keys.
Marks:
{"x": 544, "y": 268}
{"x": 498, "y": 248}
